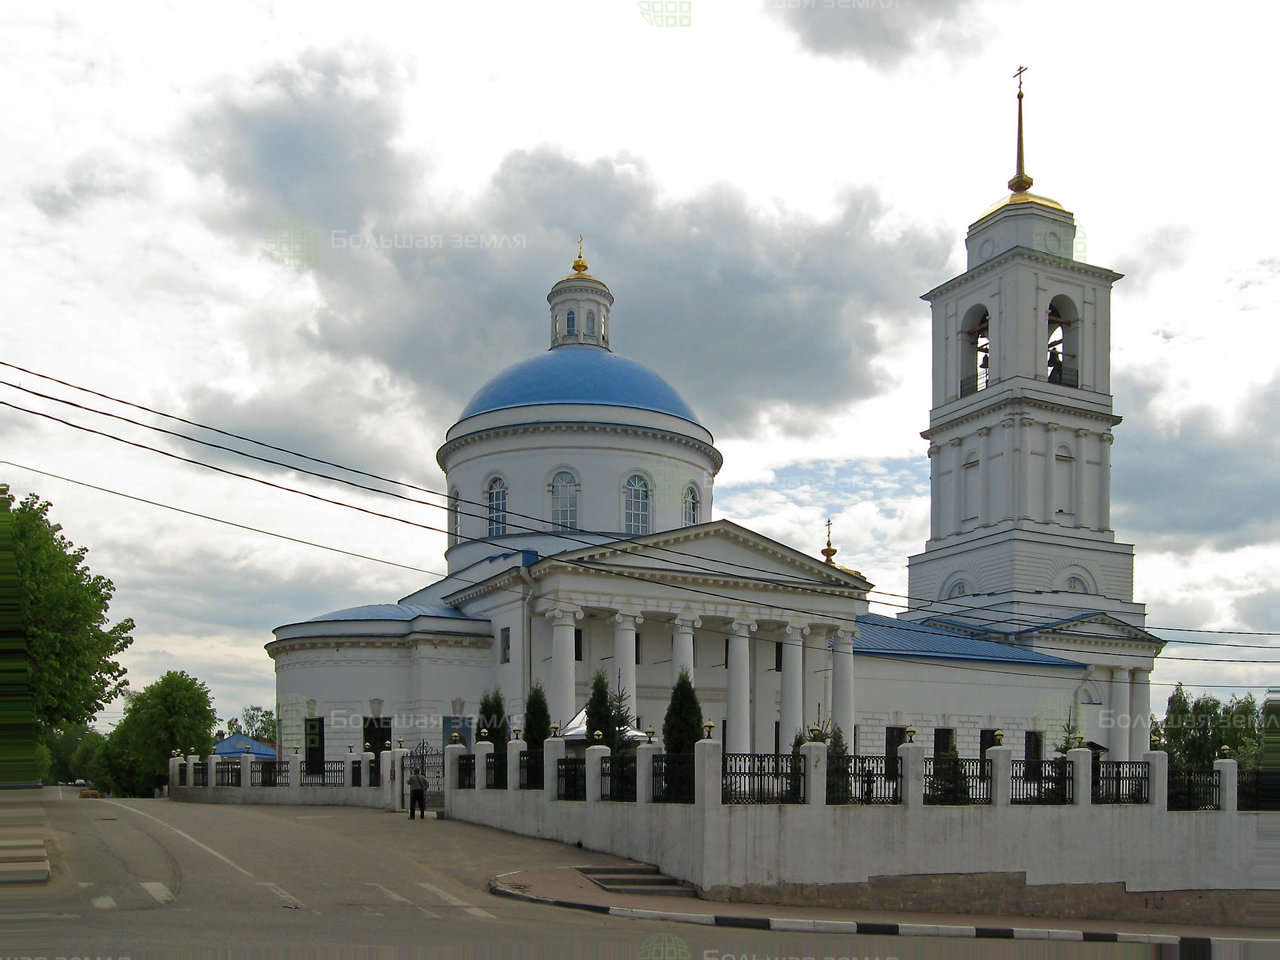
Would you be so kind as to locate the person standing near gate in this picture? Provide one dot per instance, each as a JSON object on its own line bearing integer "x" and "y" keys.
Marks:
{"x": 417, "y": 793}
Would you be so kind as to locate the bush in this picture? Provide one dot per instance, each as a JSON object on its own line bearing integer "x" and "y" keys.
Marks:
{"x": 537, "y": 718}
{"x": 682, "y": 726}
{"x": 493, "y": 717}
{"x": 599, "y": 711}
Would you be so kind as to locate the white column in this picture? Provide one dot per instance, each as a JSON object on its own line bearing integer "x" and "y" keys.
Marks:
{"x": 1077, "y": 502}
{"x": 985, "y": 477}
{"x": 1024, "y": 467}
{"x": 842, "y": 714}
{"x": 1010, "y": 509}
{"x": 682, "y": 647}
{"x": 1140, "y": 708}
{"x": 1104, "y": 482}
{"x": 1121, "y": 713}
{"x": 739, "y": 692}
{"x": 792, "y": 685}
{"x": 935, "y": 502}
{"x": 624, "y": 656}
{"x": 560, "y": 691}
{"x": 1050, "y": 462}
{"x": 957, "y": 485}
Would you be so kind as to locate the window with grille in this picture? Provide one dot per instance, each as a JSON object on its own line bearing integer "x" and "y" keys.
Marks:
{"x": 636, "y": 510}
{"x": 497, "y": 508}
{"x": 564, "y": 501}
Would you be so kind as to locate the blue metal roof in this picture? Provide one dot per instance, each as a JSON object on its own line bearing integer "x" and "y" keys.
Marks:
{"x": 392, "y": 611}
{"x": 234, "y": 746}
{"x": 579, "y": 374}
{"x": 901, "y": 638}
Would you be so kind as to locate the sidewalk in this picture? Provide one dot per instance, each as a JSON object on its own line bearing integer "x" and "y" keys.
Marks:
{"x": 24, "y": 832}
{"x": 566, "y": 887}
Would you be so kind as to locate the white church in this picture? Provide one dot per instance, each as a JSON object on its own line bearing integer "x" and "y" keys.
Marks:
{"x": 581, "y": 491}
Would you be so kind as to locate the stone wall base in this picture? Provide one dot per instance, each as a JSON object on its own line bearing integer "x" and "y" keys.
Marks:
{"x": 1008, "y": 894}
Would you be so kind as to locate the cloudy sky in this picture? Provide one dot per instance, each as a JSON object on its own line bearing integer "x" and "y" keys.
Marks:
{"x": 326, "y": 226}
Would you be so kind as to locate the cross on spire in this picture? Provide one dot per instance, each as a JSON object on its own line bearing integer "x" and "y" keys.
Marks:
{"x": 1020, "y": 183}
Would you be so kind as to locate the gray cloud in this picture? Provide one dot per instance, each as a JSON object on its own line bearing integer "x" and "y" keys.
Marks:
{"x": 742, "y": 313}
{"x": 882, "y": 32}
{"x": 1260, "y": 611}
{"x": 89, "y": 177}
{"x": 1160, "y": 250}
{"x": 1201, "y": 483}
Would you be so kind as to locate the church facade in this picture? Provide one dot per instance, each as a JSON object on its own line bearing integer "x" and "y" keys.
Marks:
{"x": 580, "y": 494}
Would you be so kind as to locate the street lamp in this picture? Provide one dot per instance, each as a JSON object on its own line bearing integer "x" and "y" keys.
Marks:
{"x": 555, "y": 729}
{"x": 706, "y": 730}
{"x": 911, "y": 734}
{"x": 599, "y": 736}
{"x": 998, "y": 736}
{"x": 814, "y": 732}
{"x": 649, "y": 733}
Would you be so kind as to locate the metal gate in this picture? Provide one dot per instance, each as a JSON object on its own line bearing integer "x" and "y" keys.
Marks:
{"x": 428, "y": 761}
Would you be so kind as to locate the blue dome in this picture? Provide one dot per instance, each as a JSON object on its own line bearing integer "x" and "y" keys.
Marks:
{"x": 579, "y": 374}
{"x": 390, "y": 611}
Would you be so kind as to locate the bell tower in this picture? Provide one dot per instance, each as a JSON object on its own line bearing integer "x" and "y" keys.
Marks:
{"x": 1020, "y": 430}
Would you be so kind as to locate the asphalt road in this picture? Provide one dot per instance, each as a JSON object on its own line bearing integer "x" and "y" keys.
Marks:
{"x": 140, "y": 878}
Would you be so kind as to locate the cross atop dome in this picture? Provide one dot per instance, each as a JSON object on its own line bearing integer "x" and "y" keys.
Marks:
{"x": 1020, "y": 183}
{"x": 580, "y": 265}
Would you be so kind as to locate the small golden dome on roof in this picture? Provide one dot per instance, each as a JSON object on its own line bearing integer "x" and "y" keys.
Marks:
{"x": 580, "y": 265}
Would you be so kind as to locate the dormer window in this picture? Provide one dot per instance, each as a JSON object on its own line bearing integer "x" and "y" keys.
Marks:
{"x": 570, "y": 324}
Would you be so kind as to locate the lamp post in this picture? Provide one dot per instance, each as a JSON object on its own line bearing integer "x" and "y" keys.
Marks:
{"x": 815, "y": 732}
{"x": 555, "y": 729}
{"x": 453, "y": 738}
{"x": 706, "y": 730}
{"x": 998, "y": 736}
{"x": 599, "y": 735}
{"x": 649, "y": 733}
{"x": 911, "y": 734}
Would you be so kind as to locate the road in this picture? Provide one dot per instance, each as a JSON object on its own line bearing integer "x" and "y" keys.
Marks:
{"x": 139, "y": 878}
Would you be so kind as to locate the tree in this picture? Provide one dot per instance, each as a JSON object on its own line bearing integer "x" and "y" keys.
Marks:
{"x": 537, "y": 718}
{"x": 80, "y": 766}
{"x": 72, "y": 649}
{"x": 682, "y": 726}
{"x": 599, "y": 711}
{"x": 62, "y": 744}
{"x": 173, "y": 713}
{"x": 620, "y": 723}
{"x": 493, "y": 718}
{"x": 257, "y": 723}
{"x": 1194, "y": 732}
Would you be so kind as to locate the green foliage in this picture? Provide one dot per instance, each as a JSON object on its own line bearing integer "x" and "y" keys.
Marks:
{"x": 1070, "y": 734}
{"x": 621, "y": 722}
{"x": 682, "y": 726}
{"x": 80, "y": 765}
{"x": 62, "y": 743}
{"x": 836, "y": 747}
{"x": 72, "y": 649}
{"x": 599, "y": 709}
{"x": 174, "y": 713}
{"x": 537, "y": 718}
{"x": 44, "y": 763}
{"x": 1195, "y": 731}
{"x": 257, "y": 723}
{"x": 493, "y": 718}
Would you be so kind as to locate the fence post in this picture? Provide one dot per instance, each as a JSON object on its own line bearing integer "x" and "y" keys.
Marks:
{"x": 452, "y": 752}
{"x": 911, "y": 766}
{"x": 708, "y": 773}
{"x": 814, "y": 757}
{"x": 1001, "y": 758}
{"x": 482, "y": 749}
{"x": 552, "y": 750}
{"x": 366, "y": 768}
{"x": 514, "y": 749}
{"x": 348, "y": 771}
{"x": 1228, "y": 794}
{"x": 246, "y": 770}
{"x": 644, "y": 771}
{"x": 1082, "y": 775}
{"x": 594, "y": 755}
{"x": 211, "y": 770}
{"x": 192, "y": 760}
{"x": 173, "y": 774}
{"x": 1158, "y": 786}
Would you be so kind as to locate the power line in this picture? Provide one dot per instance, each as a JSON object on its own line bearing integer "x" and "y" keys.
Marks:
{"x": 972, "y": 611}
{"x": 586, "y": 564}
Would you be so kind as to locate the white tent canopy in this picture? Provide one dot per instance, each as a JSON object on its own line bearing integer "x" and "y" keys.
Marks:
{"x": 577, "y": 729}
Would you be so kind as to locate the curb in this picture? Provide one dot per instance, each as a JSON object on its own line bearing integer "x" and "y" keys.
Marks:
{"x": 1195, "y": 946}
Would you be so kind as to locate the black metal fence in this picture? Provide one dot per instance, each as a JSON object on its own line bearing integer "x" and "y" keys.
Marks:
{"x": 1194, "y": 789}
{"x": 618, "y": 778}
{"x": 531, "y": 776}
{"x": 227, "y": 773}
{"x": 182, "y": 773}
{"x": 762, "y": 778}
{"x": 957, "y": 781}
{"x": 1121, "y": 781}
{"x": 357, "y": 770}
{"x": 200, "y": 773}
{"x": 571, "y": 778}
{"x": 1043, "y": 781}
{"x": 495, "y": 771}
{"x": 673, "y": 778}
{"x": 328, "y": 773}
{"x": 467, "y": 771}
{"x": 375, "y": 772}
{"x": 1247, "y": 794}
{"x": 263, "y": 773}
{"x": 861, "y": 779}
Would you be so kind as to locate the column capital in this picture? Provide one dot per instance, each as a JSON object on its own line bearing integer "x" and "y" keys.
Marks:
{"x": 1027, "y": 421}
{"x": 621, "y": 618}
{"x": 743, "y": 626}
{"x": 1082, "y": 432}
{"x": 934, "y": 450}
{"x": 1050, "y": 427}
{"x": 849, "y": 633}
{"x": 983, "y": 431}
{"x": 563, "y": 616}
{"x": 1107, "y": 437}
{"x": 1008, "y": 423}
{"x": 955, "y": 441}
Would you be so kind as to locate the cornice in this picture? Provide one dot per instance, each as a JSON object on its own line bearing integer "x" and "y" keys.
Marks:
{"x": 580, "y": 426}
{"x": 408, "y": 642}
{"x": 1023, "y": 254}
{"x": 1020, "y": 401}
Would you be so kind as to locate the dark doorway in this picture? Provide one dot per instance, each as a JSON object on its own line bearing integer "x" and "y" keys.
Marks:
{"x": 894, "y": 737}
{"x": 313, "y": 741}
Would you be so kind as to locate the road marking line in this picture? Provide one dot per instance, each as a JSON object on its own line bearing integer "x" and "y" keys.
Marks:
{"x": 283, "y": 894}
{"x": 157, "y": 890}
{"x": 186, "y": 836}
{"x": 85, "y": 883}
{"x": 453, "y": 901}
{"x": 39, "y": 916}
{"x": 104, "y": 903}
{"x": 391, "y": 894}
